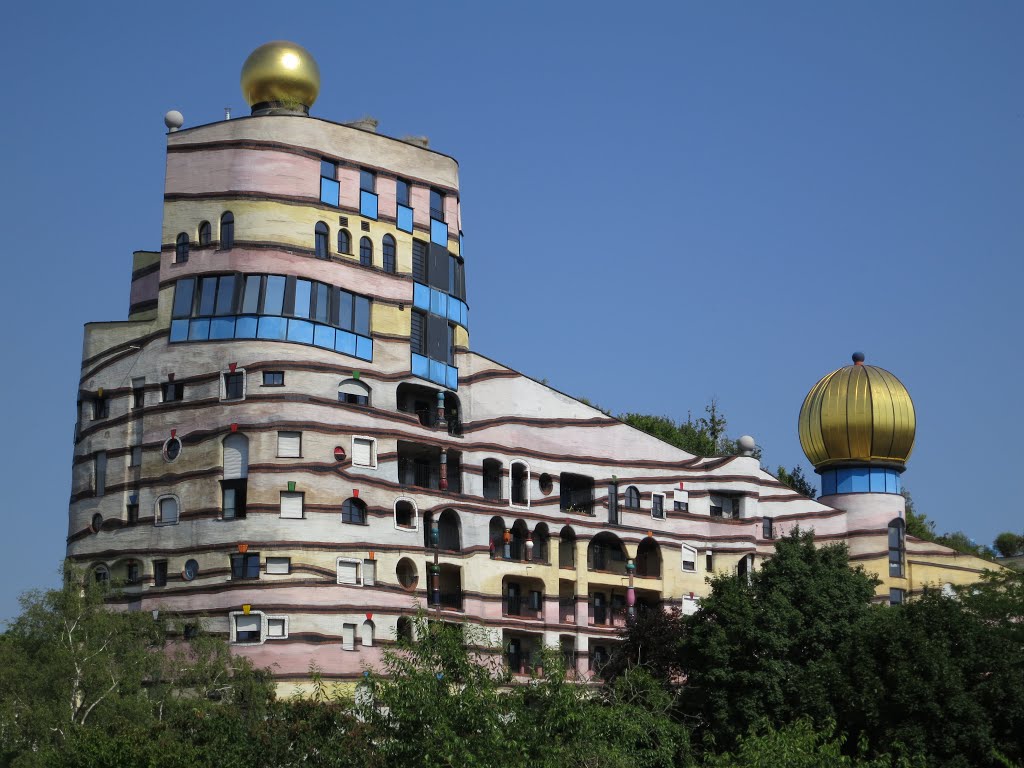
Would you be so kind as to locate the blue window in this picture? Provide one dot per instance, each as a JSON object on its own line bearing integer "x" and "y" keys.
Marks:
{"x": 402, "y": 188}
{"x": 438, "y": 232}
{"x": 404, "y": 218}
{"x": 329, "y": 187}
{"x": 368, "y": 204}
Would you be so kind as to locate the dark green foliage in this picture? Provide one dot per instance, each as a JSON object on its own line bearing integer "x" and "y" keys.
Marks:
{"x": 1009, "y": 544}
{"x": 702, "y": 437}
{"x": 796, "y": 480}
{"x": 920, "y": 526}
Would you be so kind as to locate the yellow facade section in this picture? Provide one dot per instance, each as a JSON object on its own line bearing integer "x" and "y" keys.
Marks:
{"x": 390, "y": 319}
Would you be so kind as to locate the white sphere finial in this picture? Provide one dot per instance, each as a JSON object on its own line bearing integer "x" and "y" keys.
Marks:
{"x": 173, "y": 120}
{"x": 747, "y": 445}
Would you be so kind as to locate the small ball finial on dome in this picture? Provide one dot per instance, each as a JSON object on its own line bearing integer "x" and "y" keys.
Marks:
{"x": 280, "y": 77}
{"x": 174, "y": 120}
{"x": 747, "y": 444}
{"x": 858, "y": 358}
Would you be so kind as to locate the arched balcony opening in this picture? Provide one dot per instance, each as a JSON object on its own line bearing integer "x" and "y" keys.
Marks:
{"x": 606, "y": 553}
{"x": 648, "y": 559}
{"x": 518, "y": 543}
{"x": 541, "y": 542}
{"x": 496, "y": 538}
{"x": 567, "y": 548}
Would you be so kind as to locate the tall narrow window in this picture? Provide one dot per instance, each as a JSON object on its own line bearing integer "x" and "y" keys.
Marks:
{"x": 227, "y": 231}
{"x": 389, "y": 254}
{"x": 344, "y": 241}
{"x": 519, "y": 484}
{"x": 364, "y": 452}
{"x": 419, "y": 261}
{"x": 100, "y": 472}
{"x": 613, "y": 503}
{"x": 896, "y": 547}
{"x": 437, "y": 204}
{"x": 632, "y": 498}
{"x": 320, "y": 240}
{"x": 181, "y": 249}
{"x": 205, "y": 233}
{"x": 100, "y": 407}
{"x": 689, "y": 559}
{"x": 236, "y": 472}
{"x": 418, "y": 333}
{"x": 492, "y": 478}
{"x": 366, "y": 252}
{"x": 234, "y": 386}
{"x": 658, "y": 506}
{"x": 402, "y": 192}
{"x": 367, "y": 181}
{"x": 767, "y": 528}
{"x": 159, "y": 573}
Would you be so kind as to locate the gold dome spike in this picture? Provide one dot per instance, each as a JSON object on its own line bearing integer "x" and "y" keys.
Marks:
{"x": 859, "y": 414}
{"x": 281, "y": 75}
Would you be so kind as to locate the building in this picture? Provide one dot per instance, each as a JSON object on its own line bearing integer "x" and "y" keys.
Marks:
{"x": 290, "y": 442}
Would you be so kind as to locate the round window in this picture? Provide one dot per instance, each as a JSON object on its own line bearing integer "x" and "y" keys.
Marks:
{"x": 545, "y": 483}
{"x": 191, "y": 570}
{"x": 407, "y": 576}
{"x": 97, "y": 522}
{"x": 172, "y": 449}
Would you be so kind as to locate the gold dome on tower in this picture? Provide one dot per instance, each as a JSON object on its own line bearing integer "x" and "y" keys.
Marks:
{"x": 280, "y": 75}
{"x": 859, "y": 414}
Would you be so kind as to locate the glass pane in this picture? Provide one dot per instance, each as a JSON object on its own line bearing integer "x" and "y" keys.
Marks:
{"x": 439, "y": 232}
{"x": 302, "y": 294}
{"x": 402, "y": 192}
{"x": 436, "y": 204}
{"x": 273, "y": 302}
{"x": 362, "y": 318}
{"x": 226, "y": 295}
{"x": 345, "y": 310}
{"x": 183, "y": 298}
{"x": 251, "y": 296}
{"x": 207, "y": 295}
{"x": 199, "y": 330}
{"x": 452, "y": 377}
{"x": 368, "y": 204}
{"x": 301, "y": 331}
{"x": 420, "y": 366}
{"x": 364, "y": 348}
{"x": 222, "y": 328}
{"x": 179, "y": 330}
{"x": 323, "y": 304}
{"x": 404, "y": 218}
{"x": 345, "y": 343}
{"x": 328, "y": 169}
{"x": 245, "y": 328}
{"x": 368, "y": 181}
{"x": 329, "y": 191}
{"x": 420, "y": 296}
{"x": 323, "y": 336}
{"x": 272, "y": 328}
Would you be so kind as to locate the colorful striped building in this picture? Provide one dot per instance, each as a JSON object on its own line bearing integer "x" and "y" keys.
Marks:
{"x": 290, "y": 442}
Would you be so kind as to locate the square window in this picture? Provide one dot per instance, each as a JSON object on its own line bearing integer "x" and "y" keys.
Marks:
{"x": 279, "y": 566}
{"x": 273, "y": 378}
{"x": 248, "y": 628}
{"x": 289, "y": 445}
{"x": 277, "y": 628}
{"x": 292, "y": 505}
{"x": 159, "y": 573}
{"x": 173, "y": 392}
{"x": 234, "y": 386}
{"x": 367, "y": 181}
{"x": 681, "y": 506}
{"x": 101, "y": 407}
{"x": 364, "y": 452}
{"x": 132, "y": 513}
{"x": 348, "y": 571}
{"x": 245, "y": 565}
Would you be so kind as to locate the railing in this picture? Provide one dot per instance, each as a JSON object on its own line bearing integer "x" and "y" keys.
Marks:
{"x": 567, "y": 610}
{"x": 451, "y": 601}
{"x": 517, "y": 605}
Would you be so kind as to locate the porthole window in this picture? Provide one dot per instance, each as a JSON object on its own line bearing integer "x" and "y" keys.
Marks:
{"x": 407, "y": 575}
{"x": 172, "y": 449}
{"x": 191, "y": 570}
{"x": 546, "y": 485}
{"x": 97, "y": 522}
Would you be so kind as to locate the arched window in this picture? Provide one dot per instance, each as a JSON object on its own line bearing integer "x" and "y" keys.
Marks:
{"x": 101, "y": 574}
{"x": 541, "y": 538}
{"x": 353, "y": 392}
{"x": 167, "y": 510}
{"x": 321, "y": 233}
{"x": 227, "y": 231}
{"x": 449, "y": 531}
{"x": 236, "y": 470}
{"x": 366, "y": 633}
{"x": 403, "y": 630}
{"x": 520, "y": 533}
{"x": 496, "y": 537}
{"x": 606, "y": 553}
{"x": 632, "y": 498}
{"x": 648, "y": 559}
{"x": 896, "y": 547}
{"x": 181, "y": 249}
{"x": 344, "y": 241}
{"x": 567, "y": 548}
{"x": 492, "y": 479}
{"x": 353, "y": 511}
{"x": 519, "y": 484}
{"x": 205, "y": 233}
{"x": 366, "y": 252}
{"x": 405, "y": 514}
{"x": 389, "y": 254}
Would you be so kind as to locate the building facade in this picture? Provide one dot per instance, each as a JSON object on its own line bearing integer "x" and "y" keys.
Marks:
{"x": 290, "y": 442}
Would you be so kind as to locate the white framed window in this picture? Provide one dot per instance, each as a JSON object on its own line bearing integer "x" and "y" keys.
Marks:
{"x": 279, "y": 566}
{"x": 689, "y": 562}
{"x": 167, "y": 510}
{"x": 292, "y": 504}
{"x": 232, "y": 384}
{"x": 519, "y": 484}
{"x": 247, "y": 628}
{"x": 658, "y": 506}
{"x": 369, "y": 573}
{"x": 690, "y": 604}
{"x": 364, "y": 451}
{"x": 277, "y": 627}
{"x": 407, "y": 514}
{"x": 366, "y": 633}
{"x": 348, "y": 571}
{"x": 289, "y": 445}
{"x": 348, "y": 637}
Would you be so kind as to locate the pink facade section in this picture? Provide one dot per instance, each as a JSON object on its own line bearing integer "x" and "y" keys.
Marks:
{"x": 387, "y": 197}
{"x": 348, "y": 180}
{"x": 145, "y": 288}
{"x": 451, "y": 214}
{"x": 420, "y": 199}
{"x": 242, "y": 170}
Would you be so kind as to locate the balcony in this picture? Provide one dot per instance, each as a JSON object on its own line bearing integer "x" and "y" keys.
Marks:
{"x": 523, "y": 598}
{"x": 420, "y": 466}
{"x": 576, "y": 494}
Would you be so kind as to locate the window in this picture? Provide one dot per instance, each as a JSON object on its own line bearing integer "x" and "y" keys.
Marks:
{"x": 96, "y": 524}
{"x": 100, "y": 407}
{"x": 492, "y": 479}
{"x": 366, "y": 252}
{"x": 405, "y": 514}
{"x": 632, "y": 498}
{"x": 273, "y": 378}
{"x": 716, "y": 511}
{"x": 658, "y": 506}
{"x": 132, "y": 512}
{"x": 234, "y": 386}
{"x": 353, "y": 392}
{"x": 173, "y": 391}
{"x": 159, "y": 573}
{"x": 245, "y": 565}
{"x": 689, "y": 559}
{"x": 277, "y": 628}
{"x": 227, "y": 231}
{"x": 767, "y": 528}
{"x": 680, "y": 506}
{"x": 418, "y": 333}
{"x": 289, "y": 445}
{"x": 420, "y": 252}
{"x": 135, "y": 459}
{"x": 896, "y": 596}
{"x": 389, "y": 254}
{"x": 181, "y": 249}
{"x": 369, "y": 573}
{"x": 167, "y": 510}
{"x": 232, "y": 494}
{"x": 132, "y": 572}
{"x": 279, "y": 566}
{"x": 364, "y": 452}
{"x": 402, "y": 192}
{"x": 99, "y": 465}
{"x": 353, "y": 511}
{"x": 576, "y": 492}
{"x": 437, "y": 204}
{"x": 709, "y": 561}
{"x": 320, "y": 240}
{"x": 191, "y": 570}
{"x": 348, "y": 571}
{"x": 896, "y": 547}
{"x": 366, "y": 632}
{"x": 329, "y": 187}
{"x": 138, "y": 393}
{"x": 519, "y": 484}
{"x": 344, "y": 241}
{"x": 406, "y": 572}
{"x": 291, "y": 505}
{"x": 101, "y": 574}
{"x": 348, "y": 637}
{"x": 367, "y": 181}
{"x": 171, "y": 449}
{"x": 367, "y": 194}
{"x": 247, "y": 627}
{"x": 205, "y": 234}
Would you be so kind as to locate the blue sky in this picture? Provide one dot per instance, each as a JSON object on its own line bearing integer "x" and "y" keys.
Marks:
{"x": 663, "y": 203}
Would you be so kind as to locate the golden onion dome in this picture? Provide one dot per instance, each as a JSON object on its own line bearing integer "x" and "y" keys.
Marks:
{"x": 859, "y": 414}
{"x": 281, "y": 74}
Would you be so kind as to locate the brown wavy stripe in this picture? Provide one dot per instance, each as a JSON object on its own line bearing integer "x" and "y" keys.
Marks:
{"x": 146, "y": 270}
{"x": 142, "y": 306}
{"x": 489, "y": 374}
{"x": 475, "y": 426}
{"x": 276, "y": 146}
{"x": 119, "y": 351}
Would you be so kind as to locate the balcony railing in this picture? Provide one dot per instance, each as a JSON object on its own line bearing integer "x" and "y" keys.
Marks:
{"x": 517, "y": 605}
{"x": 567, "y": 610}
{"x": 451, "y": 601}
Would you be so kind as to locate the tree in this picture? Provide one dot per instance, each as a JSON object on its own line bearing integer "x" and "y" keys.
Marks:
{"x": 1009, "y": 544}
{"x": 919, "y": 526}
{"x": 796, "y": 480}
{"x": 705, "y": 436}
